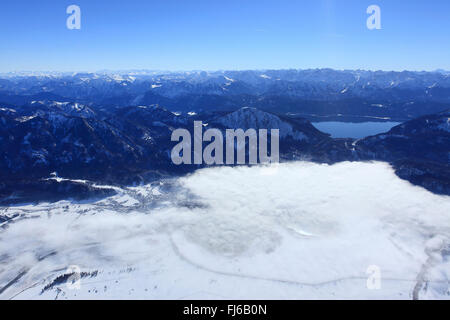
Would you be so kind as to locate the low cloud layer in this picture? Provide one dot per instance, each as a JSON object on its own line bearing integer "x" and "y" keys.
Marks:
{"x": 296, "y": 230}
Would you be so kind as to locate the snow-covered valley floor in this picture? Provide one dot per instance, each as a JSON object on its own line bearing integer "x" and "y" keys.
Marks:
{"x": 292, "y": 231}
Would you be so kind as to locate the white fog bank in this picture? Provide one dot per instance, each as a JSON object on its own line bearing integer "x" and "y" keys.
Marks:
{"x": 292, "y": 231}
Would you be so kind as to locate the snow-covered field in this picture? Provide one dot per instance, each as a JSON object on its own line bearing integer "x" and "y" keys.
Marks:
{"x": 292, "y": 231}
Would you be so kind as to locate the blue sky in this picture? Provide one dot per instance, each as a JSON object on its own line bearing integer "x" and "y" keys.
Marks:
{"x": 231, "y": 34}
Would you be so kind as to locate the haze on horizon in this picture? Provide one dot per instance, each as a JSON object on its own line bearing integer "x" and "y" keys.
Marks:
{"x": 211, "y": 71}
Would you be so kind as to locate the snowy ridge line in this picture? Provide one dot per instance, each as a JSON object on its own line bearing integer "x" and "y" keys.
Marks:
{"x": 93, "y": 184}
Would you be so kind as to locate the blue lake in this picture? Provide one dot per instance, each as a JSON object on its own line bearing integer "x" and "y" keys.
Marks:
{"x": 354, "y": 130}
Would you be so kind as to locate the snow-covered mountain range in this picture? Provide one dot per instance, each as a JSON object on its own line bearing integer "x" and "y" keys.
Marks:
{"x": 311, "y": 93}
{"x": 89, "y": 194}
{"x": 129, "y": 145}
